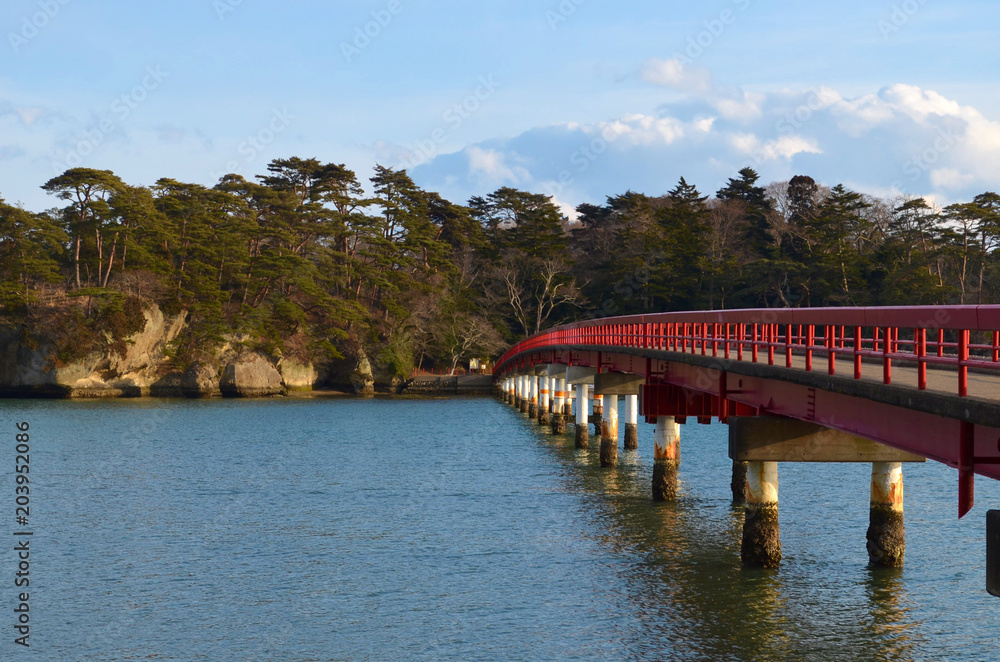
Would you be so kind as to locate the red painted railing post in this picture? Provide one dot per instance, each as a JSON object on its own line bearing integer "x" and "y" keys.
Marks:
{"x": 963, "y": 357}
{"x": 810, "y": 339}
{"x": 857, "y": 352}
{"x": 740, "y": 333}
{"x": 754, "y": 346}
{"x": 727, "y": 340}
{"x": 788, "y": 345}
{"x": 920, "y": 342}
{"x": 831, "y": 345}
{"x": 886, "y": 361}
{"x": 772, "y": 336}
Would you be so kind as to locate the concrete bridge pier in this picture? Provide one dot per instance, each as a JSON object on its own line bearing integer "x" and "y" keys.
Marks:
{"x": 543, "y": 400}
{"x": 582, "y": 432}
{"x": 525, "y": 394}
{"x": 598, "y": 412}
{"x": 609, "y": 433}
{"x": 533, "y": 397}
{"x": 761, "y": 546}
{"x": 509, "y": 393}
{"x": 738, "y": 484}
{"x": 764, "y": 441}
{"x": 631, "y": 422}
{"x": 666, "y": 458}
{"x": 886, "y": 533}
{"x": 558, "y": 402}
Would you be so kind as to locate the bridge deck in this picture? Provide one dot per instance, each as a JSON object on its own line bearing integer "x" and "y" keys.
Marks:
{"x": 984, "y": 385}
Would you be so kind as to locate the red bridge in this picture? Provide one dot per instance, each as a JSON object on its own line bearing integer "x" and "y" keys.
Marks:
{"x": 880, "y": 385}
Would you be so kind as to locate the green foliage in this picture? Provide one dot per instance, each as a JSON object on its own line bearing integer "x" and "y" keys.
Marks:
{"x": 302, "y": 262}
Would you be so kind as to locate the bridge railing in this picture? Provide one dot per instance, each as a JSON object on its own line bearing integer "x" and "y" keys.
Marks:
{"x": 954, "y": 338}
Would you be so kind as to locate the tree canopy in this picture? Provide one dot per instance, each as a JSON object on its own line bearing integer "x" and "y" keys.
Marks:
{"x": 309, "y": 260}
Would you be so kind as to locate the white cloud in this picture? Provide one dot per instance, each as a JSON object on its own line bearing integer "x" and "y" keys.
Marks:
{"x": 490, "y": 166}
{"x": 784, "y": 147}
{"x": 919, "y": 104}
{"x": 638, "y": 129}
{"x": 29, "y": 115}
{"x": 900, "y": 138}
{"x": 568, "y": 210}
{"x": 951, "y": 179}
{"x": 675, "y": 74}
{"x": 745, "y": 106}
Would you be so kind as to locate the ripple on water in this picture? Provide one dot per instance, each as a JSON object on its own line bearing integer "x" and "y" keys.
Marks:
{"x": 455, "y": 529}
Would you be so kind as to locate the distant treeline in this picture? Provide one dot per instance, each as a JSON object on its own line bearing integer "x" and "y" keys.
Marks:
{"x": 305, "y": 262}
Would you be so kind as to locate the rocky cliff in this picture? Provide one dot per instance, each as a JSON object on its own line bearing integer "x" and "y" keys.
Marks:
{"x": 30, "y": 367}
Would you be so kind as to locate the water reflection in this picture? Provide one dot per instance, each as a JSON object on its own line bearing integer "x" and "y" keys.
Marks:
{"x": 678, "y": 568}
{"x": 889, "y": 609}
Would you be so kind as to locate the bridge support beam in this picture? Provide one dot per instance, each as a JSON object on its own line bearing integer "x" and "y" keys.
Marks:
{"x": 609, "y": 433}
{"x": 886, "y": 533}
{"x": 666, "y": 458}
{"x": 582, "y": 433}
{"x": 543, "y": 400}
{"x": 631, "y": 422}
{"x": 761, "y": 546}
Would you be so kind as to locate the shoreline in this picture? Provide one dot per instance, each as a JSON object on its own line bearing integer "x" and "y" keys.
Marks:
{"x": 297, "y": 394}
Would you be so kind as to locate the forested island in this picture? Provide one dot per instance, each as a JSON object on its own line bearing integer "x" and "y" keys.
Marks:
{"x": 307, "y": 277}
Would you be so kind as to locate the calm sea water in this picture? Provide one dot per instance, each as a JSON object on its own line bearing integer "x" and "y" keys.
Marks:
{"x": 328, "y": 529}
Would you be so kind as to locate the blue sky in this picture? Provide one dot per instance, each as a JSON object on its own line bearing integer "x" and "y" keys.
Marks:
{"x": 579, "y": 99}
